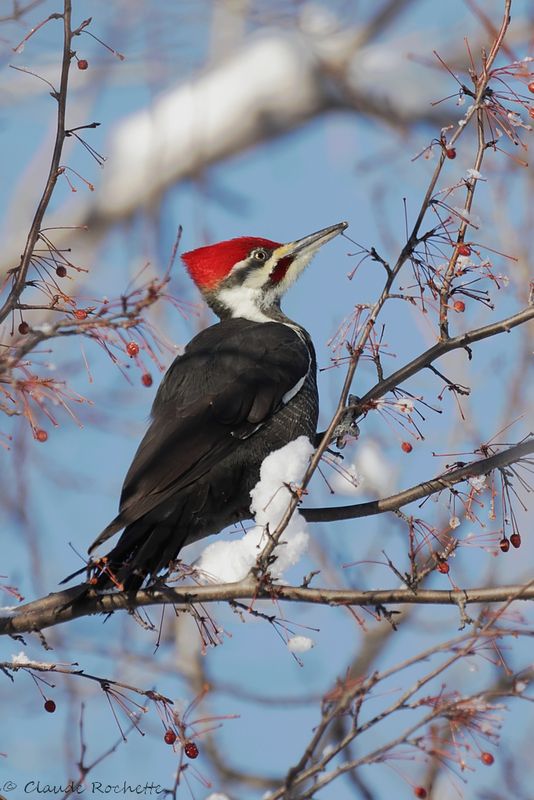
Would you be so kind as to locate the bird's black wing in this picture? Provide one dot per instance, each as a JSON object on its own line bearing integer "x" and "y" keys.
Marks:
{"x": 230, "y": 380}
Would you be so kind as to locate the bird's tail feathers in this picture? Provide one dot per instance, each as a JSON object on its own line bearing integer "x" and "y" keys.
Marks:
{"x": 113, "y": 527}
{"x": 73, "y": 575}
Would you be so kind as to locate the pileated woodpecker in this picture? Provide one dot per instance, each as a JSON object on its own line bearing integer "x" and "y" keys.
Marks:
{"x": 243, "y": 387}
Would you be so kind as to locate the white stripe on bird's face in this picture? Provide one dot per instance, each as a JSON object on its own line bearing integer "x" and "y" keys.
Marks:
{"x": 244, "y": 301}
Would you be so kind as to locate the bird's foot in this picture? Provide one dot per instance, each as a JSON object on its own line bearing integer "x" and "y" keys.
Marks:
{"x": 347, "y": 428}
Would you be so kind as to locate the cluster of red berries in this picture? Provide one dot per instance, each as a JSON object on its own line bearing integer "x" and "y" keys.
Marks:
{"x": 514, "y": 540}
{"x": 190, "y": 748}
{"x": 132, "y": 348}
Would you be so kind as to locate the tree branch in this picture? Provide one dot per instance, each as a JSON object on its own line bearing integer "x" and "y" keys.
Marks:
{"x": 60, "y": 607}
{"x": 21, "y": 272}
{"x": 425, "y": 359}
{"x": 440, "y": 349}
{"x": 424, "y": 489}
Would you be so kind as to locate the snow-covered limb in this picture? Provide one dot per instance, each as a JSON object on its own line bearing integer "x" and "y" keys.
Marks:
{"x": 21, "y": 661}
{"x": 230, "y": 561}
{"x": 275, "y": 83}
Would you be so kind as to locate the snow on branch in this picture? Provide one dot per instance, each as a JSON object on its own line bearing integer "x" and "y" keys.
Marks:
{"x": 277, "y": 82}
{"x": 231, "y": 561}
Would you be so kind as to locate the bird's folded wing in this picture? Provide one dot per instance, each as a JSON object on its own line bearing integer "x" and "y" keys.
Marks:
{"x": 231, "y": 379}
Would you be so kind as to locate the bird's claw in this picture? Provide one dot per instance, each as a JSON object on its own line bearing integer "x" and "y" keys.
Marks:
{"x": 348, "y": 427}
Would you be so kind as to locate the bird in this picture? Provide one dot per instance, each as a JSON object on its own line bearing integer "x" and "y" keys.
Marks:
{"x": 243, "y": 387}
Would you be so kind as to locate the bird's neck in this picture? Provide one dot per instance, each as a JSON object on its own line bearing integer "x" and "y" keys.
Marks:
{"x": 247, "y": 303}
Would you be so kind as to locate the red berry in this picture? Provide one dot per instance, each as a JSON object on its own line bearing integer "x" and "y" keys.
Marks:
{"x": 531, "y": 87}
{"x": 407, "y": 447}
{"x": 459, "y": 306}
{"x": 41, "y": 436}
{"x": 191, "y": 750}
{"x": 146, "y": 379}
{"x": 80, "y": 313}
{"x": 442, "y": 567}
{"x": 420, "y": 791}
{"x": 50, "y": 706}
{"x": 82, "y": 63}
{"x": 531, "y": 112}
{"x": 24, "y": 328}
{"x": 132, "y": 348}
{"x": 450, "y": 152}
{"x": 170, "y": 736}
{"x": 515, "y": 538}
{"x": 504, "y": 544}
{"x": 464, "y": 250}
{"x": 61, "y": 271}
{"x": 487, "y": 759}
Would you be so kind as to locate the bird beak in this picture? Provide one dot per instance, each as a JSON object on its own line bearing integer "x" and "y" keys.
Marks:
{"x": 309, "y": 244}
{"x": 289, "y": 260}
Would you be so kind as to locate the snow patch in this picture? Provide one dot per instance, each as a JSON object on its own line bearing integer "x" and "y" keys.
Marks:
{"x": 300, "y": 644}
{"x": 229, "y": 561}
{"x": 478, "y": 482}
{"x": 21, "y": 659}
{"x": 44, "y": 327}
{"x": 8, "y": 611}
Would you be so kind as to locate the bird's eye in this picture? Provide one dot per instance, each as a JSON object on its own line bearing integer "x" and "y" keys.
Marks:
{"x": 260, "y": 255}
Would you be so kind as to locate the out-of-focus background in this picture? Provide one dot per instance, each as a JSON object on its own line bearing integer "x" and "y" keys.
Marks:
{"x": 226, "y": 118}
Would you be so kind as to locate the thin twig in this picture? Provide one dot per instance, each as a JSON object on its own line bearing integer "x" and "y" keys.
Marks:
{"x": 21, "y": 272}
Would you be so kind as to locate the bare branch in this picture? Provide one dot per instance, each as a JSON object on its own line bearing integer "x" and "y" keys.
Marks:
{"x": 60, "y": 607}
{"x": 21, "y": 272}
{"x": 424, "y": 489}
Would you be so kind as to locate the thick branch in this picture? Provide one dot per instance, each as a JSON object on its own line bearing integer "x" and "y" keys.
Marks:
{"x": 424, "y": 489}
{"x": 55, "y": 609}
